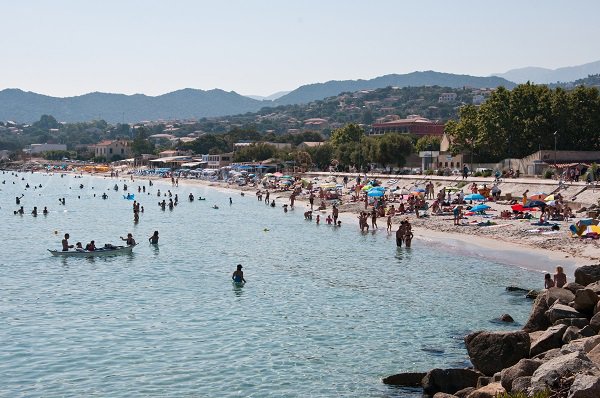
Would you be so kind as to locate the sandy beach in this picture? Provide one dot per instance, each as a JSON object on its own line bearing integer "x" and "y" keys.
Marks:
{"x": 514, "y": 242}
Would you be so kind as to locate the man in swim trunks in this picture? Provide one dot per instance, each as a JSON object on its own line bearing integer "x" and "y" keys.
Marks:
{"x": 65, "y": 243}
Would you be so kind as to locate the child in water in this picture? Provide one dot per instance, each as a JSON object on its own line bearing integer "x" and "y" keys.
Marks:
{"x": 238, "y": 275}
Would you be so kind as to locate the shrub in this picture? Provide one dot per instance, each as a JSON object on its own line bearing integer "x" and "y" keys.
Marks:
{"x": 477, "y": 174}
{"x": 543, "y": 394}
{"x": 462, "y": 184}
{"x": 548, "y": 174}
{"x": 429, "y": 172}
{"x": 487, "y": 173}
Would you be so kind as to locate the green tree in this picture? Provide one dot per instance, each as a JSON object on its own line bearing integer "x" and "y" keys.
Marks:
{"x": 347, "y": 134}
{"x": 46, "y": 122}
{"x": 322, "y": 155}
{"x": 255, "y": 153}
{"x": 140, "y": 144}
{"x": 428, "y": 142}
{"x": 393, "y": 149}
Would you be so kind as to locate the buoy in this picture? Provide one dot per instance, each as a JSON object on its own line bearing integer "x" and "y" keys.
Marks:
{"x": 266, "y": 229}
{"x": 55, "y": 232}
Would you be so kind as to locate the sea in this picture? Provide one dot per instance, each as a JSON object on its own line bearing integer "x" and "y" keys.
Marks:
{"x": 326, "y": 311}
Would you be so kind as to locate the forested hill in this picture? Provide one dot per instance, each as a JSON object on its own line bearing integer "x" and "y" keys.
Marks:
{"x": 24, "y": 106}
{"x": 311, "y": 92}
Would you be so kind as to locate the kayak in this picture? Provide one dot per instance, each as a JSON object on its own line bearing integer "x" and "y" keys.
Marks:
{"x": 108, "y": 250}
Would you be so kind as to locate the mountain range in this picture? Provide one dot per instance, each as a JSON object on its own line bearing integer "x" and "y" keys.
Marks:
{"x": 26, "y": 107}
{"x": 547, "y": 76}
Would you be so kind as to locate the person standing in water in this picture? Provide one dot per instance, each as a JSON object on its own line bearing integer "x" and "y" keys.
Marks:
{"x": 238, "y": 275}
{"x": 154, "y": 238}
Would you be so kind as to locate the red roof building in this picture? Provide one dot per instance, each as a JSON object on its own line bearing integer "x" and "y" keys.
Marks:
{"x": 415, "y": 125}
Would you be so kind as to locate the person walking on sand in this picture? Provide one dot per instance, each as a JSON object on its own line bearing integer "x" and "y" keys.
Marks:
{"x": 560, "y": 278}
{"x": 238, "y": 275}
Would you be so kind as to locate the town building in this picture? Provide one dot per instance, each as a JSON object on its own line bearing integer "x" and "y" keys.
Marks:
{"x": 39, "y": 148}
{"x": 413, "y": 124}
{"x": 217, "y": 161}
{"x": 447, "y": 97}
{"x": 117, "y": 149}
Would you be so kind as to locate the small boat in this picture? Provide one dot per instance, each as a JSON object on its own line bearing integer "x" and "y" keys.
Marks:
{"x": 107, "y": 250}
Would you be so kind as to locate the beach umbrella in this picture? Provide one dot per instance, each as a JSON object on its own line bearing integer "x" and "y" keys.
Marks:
{"x": 475, "y": 196}
{"x": 480, "y": 207}
{"x": 286, "y": 177}
{"x": 277, "y": 174}
{"x": 367, "y": 187}
{"x": 417, "y": 189}
{"x": 538, "y": 196}
{"x": 592, "y": 229}
{"x": 377, "y": 189}
{"x": 375, "y": 193}
{"x": 535, "y": 203}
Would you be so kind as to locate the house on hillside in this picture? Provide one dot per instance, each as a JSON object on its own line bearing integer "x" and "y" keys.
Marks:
{"x": 39, "y": 148}
{"x": 413, "y": 124}
{"x": 113, "y": 149}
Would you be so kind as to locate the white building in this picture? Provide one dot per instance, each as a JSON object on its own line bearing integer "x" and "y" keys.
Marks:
{"x": 39, "y": 148}
{"x": 447, "y": 97}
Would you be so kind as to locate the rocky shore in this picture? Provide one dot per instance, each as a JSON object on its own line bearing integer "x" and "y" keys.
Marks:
{"x": 557, "y": 352}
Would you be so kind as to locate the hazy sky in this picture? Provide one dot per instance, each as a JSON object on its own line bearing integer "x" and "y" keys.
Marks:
{"x": 71, "y": 47}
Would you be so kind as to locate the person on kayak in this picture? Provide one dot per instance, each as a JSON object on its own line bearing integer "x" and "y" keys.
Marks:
{"x": 238, "y": 275}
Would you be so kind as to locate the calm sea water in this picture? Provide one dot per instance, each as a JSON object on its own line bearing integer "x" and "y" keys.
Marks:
{"x": 326, "y": 311}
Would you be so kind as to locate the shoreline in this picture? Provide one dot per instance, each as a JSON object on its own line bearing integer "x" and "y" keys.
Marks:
{"x": 496, "y": 245}
{"x": 518, "y": 252}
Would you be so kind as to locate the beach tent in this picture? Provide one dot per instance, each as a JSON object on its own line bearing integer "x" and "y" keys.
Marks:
{"x": 538, "y": 196}
{"x": 480, "y": 207}
{"x": 535, "y": 203}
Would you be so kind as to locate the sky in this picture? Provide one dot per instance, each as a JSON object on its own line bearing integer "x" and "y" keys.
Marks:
{"x": 258, "y": 47}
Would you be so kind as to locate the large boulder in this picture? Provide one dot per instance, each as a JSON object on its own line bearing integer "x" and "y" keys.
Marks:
{"x": 594, "y": 286}
{"x": 573, "y": 287}
{"x": 585, "y": 386}
{"x": 537, "y": 318}
{"x": 492, "y": 390}
{"x": 521, "y": 384}
{"x": 594, "y": 355}
{"x": 551, "y": 338}
{"x": 587, "y": 274}
{"x": 572, "y": 333}
{"x": 549, "y": 374}
{"x": 449, "y": 380}
{"x": 464, "y": 392}
{"x": 490, "y": 352}
{"x": 585, "y": 300}
{"x": 595, "y": 322}
{"x": 443, "y": 395}
{"x": 525, "y": 367}
{"x": 577, "y": 322}
{"x": 561, "y": 311}
{"x": 405, "y": 379}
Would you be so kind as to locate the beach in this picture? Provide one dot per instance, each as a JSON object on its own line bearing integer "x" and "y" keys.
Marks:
{"x": 515, "y": 242}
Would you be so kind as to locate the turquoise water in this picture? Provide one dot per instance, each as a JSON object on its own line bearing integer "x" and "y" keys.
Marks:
{"x": 326, "y": 311}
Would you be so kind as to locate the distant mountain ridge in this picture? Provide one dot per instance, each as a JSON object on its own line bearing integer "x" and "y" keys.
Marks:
{"x": 316, "y": 91}
{"x": 25, "y": 106}
{"x": 547, "y": 76}
{"x": 190, "y": 103}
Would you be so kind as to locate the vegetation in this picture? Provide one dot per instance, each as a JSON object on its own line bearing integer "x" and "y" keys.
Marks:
{"x": 543, "y": 394}
{"x": 519, "y": 122}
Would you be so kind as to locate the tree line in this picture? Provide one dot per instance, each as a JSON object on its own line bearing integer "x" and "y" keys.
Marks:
{"x": 517, "y": 123}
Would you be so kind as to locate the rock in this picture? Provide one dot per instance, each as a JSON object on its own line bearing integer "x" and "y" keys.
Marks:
{"x": 585, "y": 300}
{"x": 550, "y": 373}
{"x": 589, "y": 343}
{"x": 537, "y": 318}
{"x": 573, "y": 287}
{"x": 594, "y": 355}
{"x": 595, "y": 286}
{"x": 490, "y": 352}
{"x": 587, "y": 331}
{"x": 492, "y": 390}
{"x": 597, "y": 308}
{"x": 525, "y": 367}
{"x": 560, "y": 311}
{"x": 464, "y": 392}
{"x": 532, "y": 294}
{"x": 585, "y": 386}
{"x": 506, "y": 318}
{"x": 577, "y": 322}
{"x": 583, "y": 345}
{"x": 516, "y": 289}
{"x": 595, "y": 322}
{"x": 562, "y": 295}
{"x": 405, "y": 379}
{"x": 483, "y": 381}
{"x": 587, "y": 274}
{"x": 449, "y": 380}
{"x": 443, "y": 395}
{"x": 521, "y": 384}
{"x": 551, "y": 338}
{"x": 571, "y": 333}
